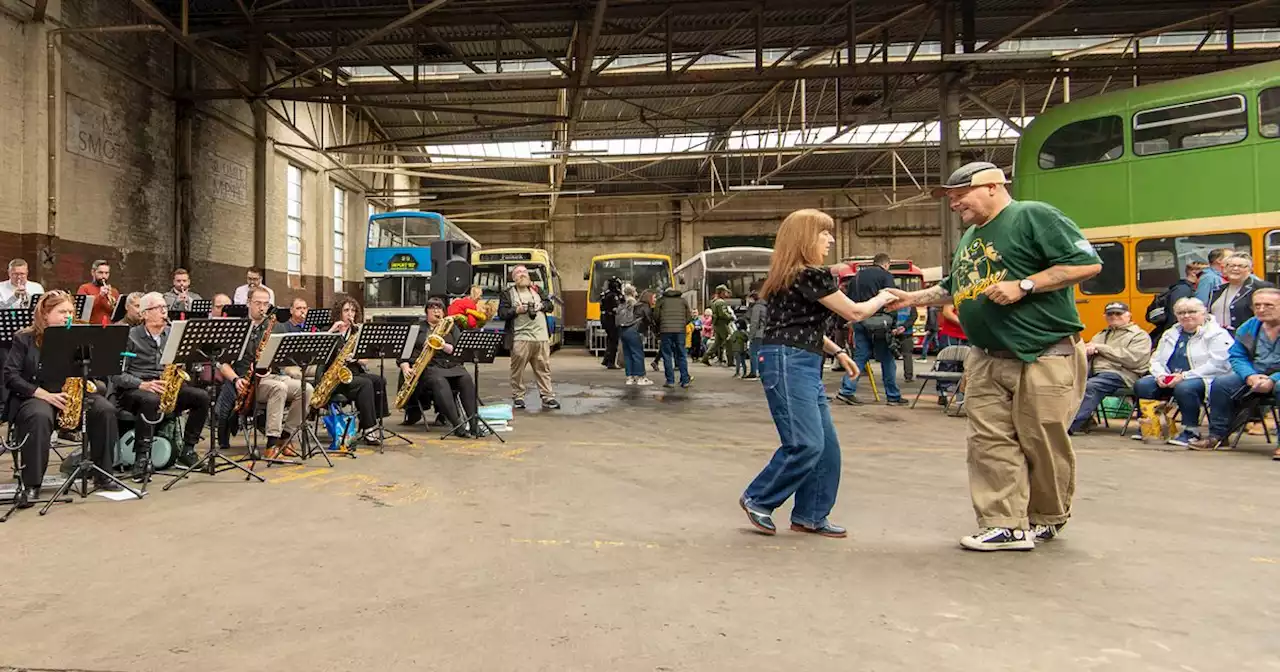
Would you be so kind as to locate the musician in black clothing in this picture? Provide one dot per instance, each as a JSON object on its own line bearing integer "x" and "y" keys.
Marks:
{"x": 33, "y": 410}
{"x": 139, "y": 386}
{"x": 610, "y": 299}
{"x": 367, "y": 390}
{"x": 445, "y": 377}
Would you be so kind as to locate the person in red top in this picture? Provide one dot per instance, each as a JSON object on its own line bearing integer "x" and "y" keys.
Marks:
{"x": 469, "y": 306}
{"x": 105, "y": 297}
{"x": 949, "y": 333}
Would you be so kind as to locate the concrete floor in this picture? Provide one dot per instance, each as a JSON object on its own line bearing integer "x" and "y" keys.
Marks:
{"x": 607, "y": 536}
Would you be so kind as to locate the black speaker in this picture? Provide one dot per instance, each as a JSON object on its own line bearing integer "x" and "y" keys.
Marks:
{"x": 450, "y": 268}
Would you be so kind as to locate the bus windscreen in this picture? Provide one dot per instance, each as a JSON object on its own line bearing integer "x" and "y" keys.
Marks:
{"x": 645, "y": 274}
{"x": 492, "y": 278}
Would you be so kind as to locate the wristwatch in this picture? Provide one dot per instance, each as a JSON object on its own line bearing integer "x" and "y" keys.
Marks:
{"x": 839, "y": 352}
{"x": 1027, "y": 285}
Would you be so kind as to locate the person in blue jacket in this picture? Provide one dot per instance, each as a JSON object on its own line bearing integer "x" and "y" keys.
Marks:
{"x": 1255, "y": 369}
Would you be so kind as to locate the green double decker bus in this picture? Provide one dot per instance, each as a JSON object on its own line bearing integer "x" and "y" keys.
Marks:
{"x": 1158, "y": 175}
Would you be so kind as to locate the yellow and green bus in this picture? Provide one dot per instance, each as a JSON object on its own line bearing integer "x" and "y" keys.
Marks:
{"x": 644, "y": 270}
{"x": 491, "y": 270}
{"x": 1158, "y": 175}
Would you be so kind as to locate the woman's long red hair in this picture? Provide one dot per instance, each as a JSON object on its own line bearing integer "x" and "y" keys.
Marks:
{"x": 795, "y": 247}
{"x": 46, "y": 304}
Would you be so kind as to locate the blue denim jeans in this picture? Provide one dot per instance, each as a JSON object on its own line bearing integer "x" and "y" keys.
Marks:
{"x": 863, "y": 349}
{"x": 1188, "y": 394}
{"x": 807, "y": 464}
{"x": 672, "y": 347}
{"x": 1096, "y": 388}
{"x": 1225, "y": 399}
{"x": 753, "y": 355}
{"x": 632, "y": 351}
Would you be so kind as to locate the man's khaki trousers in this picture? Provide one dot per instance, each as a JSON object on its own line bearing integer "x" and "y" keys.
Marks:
{"x": 1022, "y": 469}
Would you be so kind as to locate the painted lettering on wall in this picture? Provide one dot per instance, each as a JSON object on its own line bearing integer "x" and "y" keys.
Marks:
{"x": 230, "y": 180}
{"x": 94, "y": 132}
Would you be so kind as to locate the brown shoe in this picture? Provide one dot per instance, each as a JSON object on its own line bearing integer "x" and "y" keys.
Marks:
{"x": 1208, "y": 443}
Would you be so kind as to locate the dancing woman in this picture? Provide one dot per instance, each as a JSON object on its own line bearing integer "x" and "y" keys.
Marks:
{"x": 801, "y": 296}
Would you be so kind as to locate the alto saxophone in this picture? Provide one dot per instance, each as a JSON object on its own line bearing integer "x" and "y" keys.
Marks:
{"x": 74, "y": 389}
{"x": 337, "y": 373}
{"x": 248, "y": 398}
{"x": 435, "y": 342}
{"x": 173, "y": 378}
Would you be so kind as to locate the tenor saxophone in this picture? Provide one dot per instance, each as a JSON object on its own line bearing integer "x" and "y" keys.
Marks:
{"x": 435, "y": 341}
{"x": 173, "y": 378}
{"x": 74, "y": 389}
{"x": 337, "y": 373}
{"x": 248, "y": 398}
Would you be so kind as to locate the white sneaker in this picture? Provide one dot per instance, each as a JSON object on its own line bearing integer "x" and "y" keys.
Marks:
{"x": 631, "y": 380}
{"x": 641, "y": 380}
{"x": 999, "y": 539}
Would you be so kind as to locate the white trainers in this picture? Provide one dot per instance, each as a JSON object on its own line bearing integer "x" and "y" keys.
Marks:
{"x": 631, "y": 380}
{"x": 999, "y": 539}
{"x": 642, "y": 380}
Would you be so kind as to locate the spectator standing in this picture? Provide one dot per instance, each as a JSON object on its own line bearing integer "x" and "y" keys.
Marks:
{"x": 737, "y": 347}
{"x": 524, "y": 310}
{"x": 609, "y": 302}
{"x": 905, "y": 333}
{"x": 672, "y": 317}
{"x": 1231, "y": 304}
{"x": 1211, "y": 278}
{"x": 930, "y": 333}
{"x": 721, "y": 319}
{"x": 757, "y": 314}
{"x": 871, "y": 335}
{"x": 1185, "y": 362}
{"x": 631, "y": 326}
{"x": 1118, "y": 356}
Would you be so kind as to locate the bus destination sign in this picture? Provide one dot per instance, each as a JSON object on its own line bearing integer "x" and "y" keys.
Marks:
{"x": 402, "y": 262}
{"x": 505, "y": 256}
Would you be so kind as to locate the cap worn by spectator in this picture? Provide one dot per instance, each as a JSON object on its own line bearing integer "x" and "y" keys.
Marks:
{"x": 975, "y": 174}
{"x": 1116, "y": 307}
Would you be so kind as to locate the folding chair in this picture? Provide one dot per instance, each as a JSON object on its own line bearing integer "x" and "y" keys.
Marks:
{"x": 952, "y": 354}
{"x": 1126, "y": 393}
{"x": 1252, "y": 410}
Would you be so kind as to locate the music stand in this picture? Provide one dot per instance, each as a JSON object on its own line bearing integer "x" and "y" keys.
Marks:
{"x": 318, "y": 319}
{"x": 200, "y": 307}
{"x": 476, "y": 347}
{"x": 381, "y": 340}
{"x": 84, "y": 307}
{"x": 20, "y": 500}
{"x": 234, "y": 310}
{"x": 13, "y": 320}
{"x": 122, "y": 309}
{"x": 206, "y": 341}
{"x": 83, "y": 352}
{"x": 302, "y": 349}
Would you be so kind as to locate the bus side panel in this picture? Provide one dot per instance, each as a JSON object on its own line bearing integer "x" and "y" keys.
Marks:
{"x": 1092, "y": 306}
{"x": 1179, "y": 185}
{"x": 1267, "y": 158}
{"x": 1105, "y": 184}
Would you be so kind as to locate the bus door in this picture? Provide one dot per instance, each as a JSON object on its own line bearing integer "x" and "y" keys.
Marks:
{"x": 1111, "y": 284}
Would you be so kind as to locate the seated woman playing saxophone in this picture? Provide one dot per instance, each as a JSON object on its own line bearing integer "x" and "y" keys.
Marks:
{"x": 445, "y": 377}
{"x": 34, "y": 410}
{"x": 367, "y": 390}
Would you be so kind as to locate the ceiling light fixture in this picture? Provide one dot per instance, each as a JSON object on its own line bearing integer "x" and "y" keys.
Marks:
{"x": 757, "y": 187}
{"x": 572, "y": 192}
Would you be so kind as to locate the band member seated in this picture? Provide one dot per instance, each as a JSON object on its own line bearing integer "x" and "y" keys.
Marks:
{"x": 281, "y": 393}
{"x": 220, "y": 301}
{"x": 34, "y": 410}
{"x": 445, "y": 377}
{"x": 132, "y": 310}
{"x": 367, "y": 390}
{"x": 298, "y": 316}
{"x": 140, "y": 386}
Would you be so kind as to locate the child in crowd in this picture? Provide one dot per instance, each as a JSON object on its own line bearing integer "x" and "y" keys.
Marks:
{"x": 737, "y": 347}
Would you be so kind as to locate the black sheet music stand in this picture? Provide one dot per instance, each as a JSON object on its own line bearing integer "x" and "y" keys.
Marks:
{"x": 200, "y": 308}
{"x": 382, "y": 340}
{"x": 84, "y": 352}
{"x": 235, "y": 310}
{"x": 84, "y": 307}
{"x": 302, "y": 349}
{"x": 121, "y": 309}
{"x": 211, "y": 342}
{"x": 476, "y": 346}
{"x": 13, "y": 320}
{"x": 318, "y": 319}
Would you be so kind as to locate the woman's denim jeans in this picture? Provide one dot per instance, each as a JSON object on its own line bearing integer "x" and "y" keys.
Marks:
{"x": 807, "y": 464}
{"x": 632, "y": 352}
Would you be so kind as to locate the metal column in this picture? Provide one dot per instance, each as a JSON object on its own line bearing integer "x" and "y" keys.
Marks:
{"x": 259, "y": 106}
{"x": 949, "y": 134}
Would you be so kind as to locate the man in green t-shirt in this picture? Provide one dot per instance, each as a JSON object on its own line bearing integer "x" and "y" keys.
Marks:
{"x": 721, "y": 318}
{"x": 1011, "y": 282}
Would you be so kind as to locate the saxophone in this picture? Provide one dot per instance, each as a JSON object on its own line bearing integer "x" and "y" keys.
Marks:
{"x": 435, "y": 341}
{"x": 337, "y": 373}
{"x": 173, "y": 378}
{"x": 74, "y": 388}
{"x": 248, "y": 398}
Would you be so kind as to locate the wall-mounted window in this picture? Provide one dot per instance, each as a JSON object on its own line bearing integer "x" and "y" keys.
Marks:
{"x": 1161, "y": 260}
{"x": 1111, "y": 279}
{"x": 293, "y": 233}
{"x": 1084, "y": 142}
{"x": 339, "y": 237}
{"x": 1204, "y": 123}
{"x": 1269, "y": 112}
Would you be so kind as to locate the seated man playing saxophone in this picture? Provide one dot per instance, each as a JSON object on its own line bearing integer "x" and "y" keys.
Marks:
{"x": 445, "y": 376}
{"x": 35, "y": 412}
{"x": 281, "y": 393}
{"x": 141, "y": 385}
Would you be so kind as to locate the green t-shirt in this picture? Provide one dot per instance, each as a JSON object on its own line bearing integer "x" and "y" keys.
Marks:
{"x": 1025, "y": 238}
